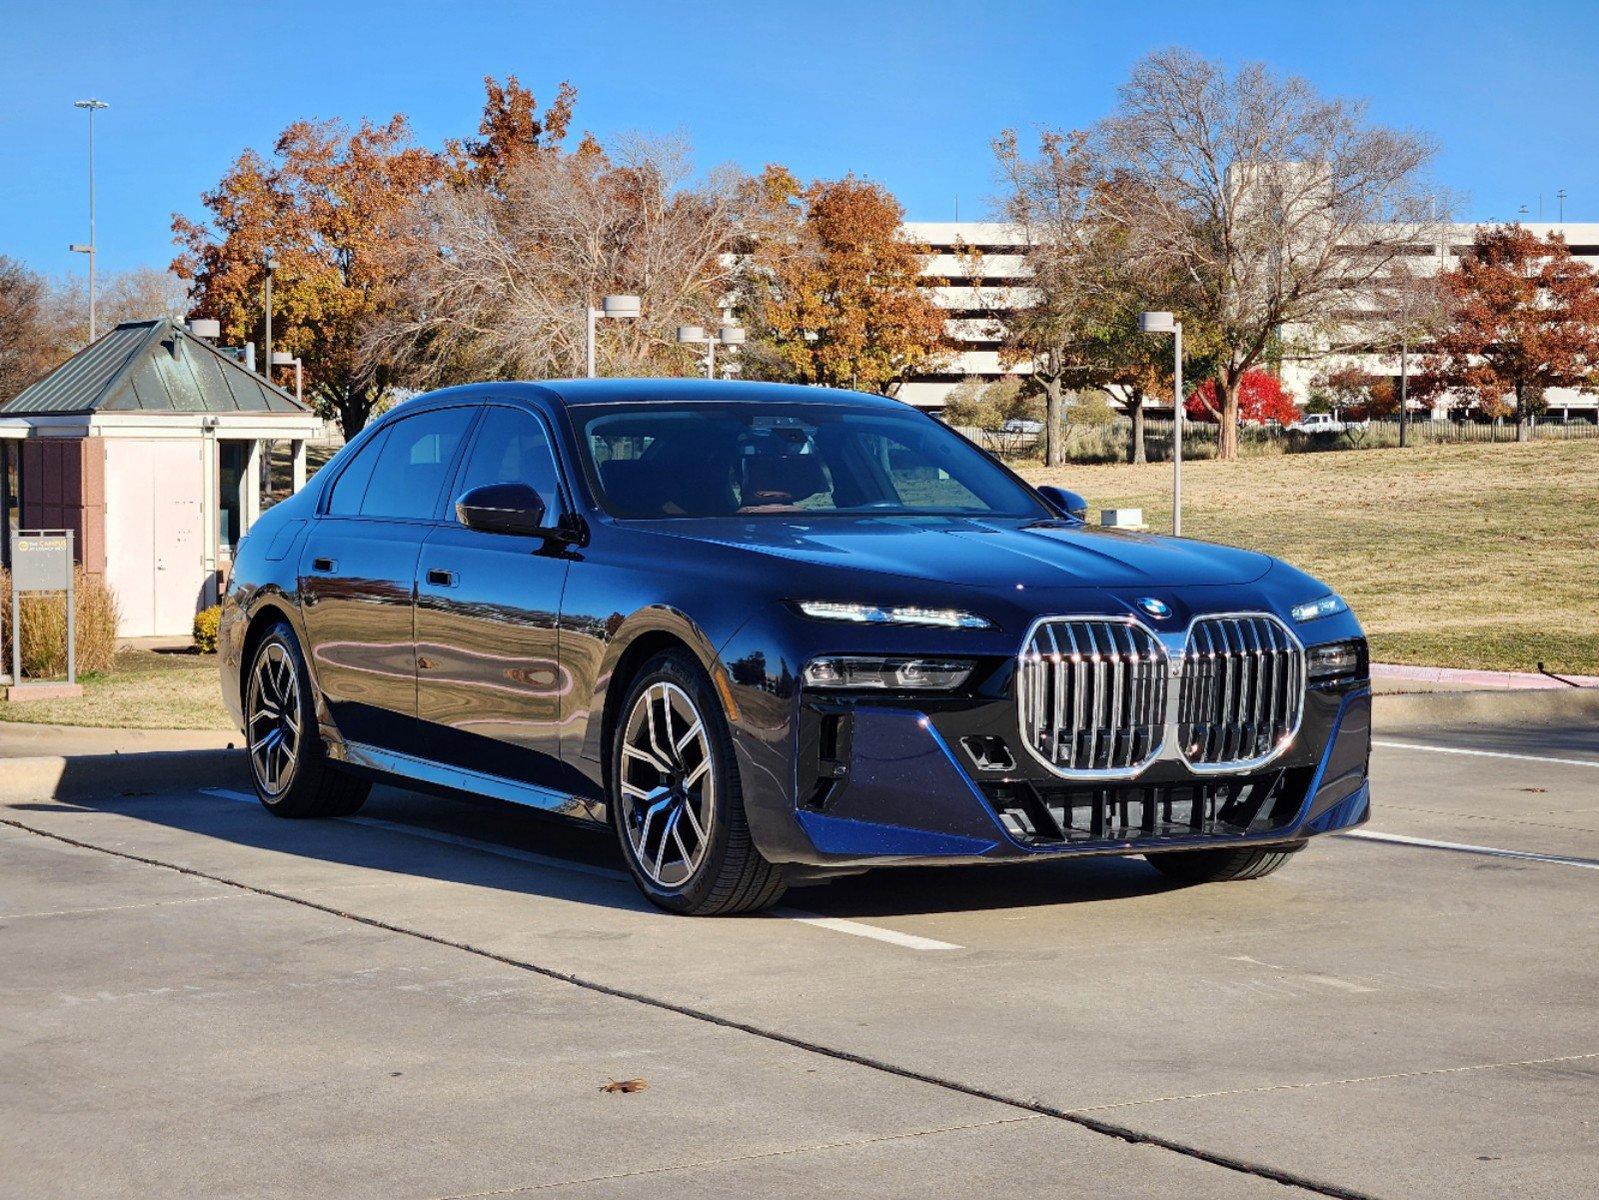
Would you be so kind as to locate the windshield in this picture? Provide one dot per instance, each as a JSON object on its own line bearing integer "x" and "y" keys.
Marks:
{"x": 759, "y": 459}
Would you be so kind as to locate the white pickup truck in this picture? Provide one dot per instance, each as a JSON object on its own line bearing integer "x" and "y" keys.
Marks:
{"x": 1319, "y": 423}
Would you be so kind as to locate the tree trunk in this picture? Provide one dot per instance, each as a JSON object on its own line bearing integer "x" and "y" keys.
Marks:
{"x": 1053, "y": 456}
{"x": 1521, "y": 415}
{"x": 1137, "y": 414}
{"x": 1227, "y": 432}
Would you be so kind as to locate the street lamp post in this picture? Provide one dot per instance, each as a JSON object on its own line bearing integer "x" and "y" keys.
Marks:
{"x": 728, "y": 335}
{"x": 1561, "y": 196}
{"x": 616, "y": 308}
{"x": 1164, "y": 322}
{"x": 91, "y": 106}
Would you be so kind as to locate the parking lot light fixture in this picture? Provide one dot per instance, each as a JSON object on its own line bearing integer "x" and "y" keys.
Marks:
{"x": 616, "y": 307}
{"x": 727, "y": 334}
{"x": 1163, "y": 323}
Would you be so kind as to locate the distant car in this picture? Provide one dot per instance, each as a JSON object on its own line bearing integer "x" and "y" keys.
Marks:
{"x": 1022, "y": 425}
{"x": 773, "y": 634}
{"x": 1319, "y": 423}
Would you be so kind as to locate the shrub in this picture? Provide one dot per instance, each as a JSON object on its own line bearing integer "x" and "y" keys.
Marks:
{"x": 44, "y": 627}
{"x": 206, "y": 622}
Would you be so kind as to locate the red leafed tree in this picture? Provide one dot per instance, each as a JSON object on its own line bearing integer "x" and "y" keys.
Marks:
{"x": 1527, "y": 319}
{"x": 1261, "y": 397}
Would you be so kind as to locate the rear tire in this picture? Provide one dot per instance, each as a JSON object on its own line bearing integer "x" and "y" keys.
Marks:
{"x": 289, "y": 764}
{"x": 675, "y": 800}
{"x": 1221, "y": 866}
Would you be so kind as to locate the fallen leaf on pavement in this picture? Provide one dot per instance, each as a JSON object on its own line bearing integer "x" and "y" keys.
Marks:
{"x": 624, "y": 1086}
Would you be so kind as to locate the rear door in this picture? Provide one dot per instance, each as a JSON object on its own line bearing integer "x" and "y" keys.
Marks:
{"x": 358, "y": 575}
{"x": 490, "y": 680}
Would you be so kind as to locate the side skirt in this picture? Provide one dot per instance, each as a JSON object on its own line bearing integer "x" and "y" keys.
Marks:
{"x": 437, "y": 777}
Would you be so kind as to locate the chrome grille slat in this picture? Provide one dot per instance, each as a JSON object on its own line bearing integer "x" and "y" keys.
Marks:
{"x": 1093, "y": 696}
{"x": 1260, "y": 699}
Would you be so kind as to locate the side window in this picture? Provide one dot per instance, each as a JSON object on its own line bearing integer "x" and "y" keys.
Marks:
{"x": 350, "y": 487}
{"x": 512, "y": 447}
{"x": 414, "y": 463}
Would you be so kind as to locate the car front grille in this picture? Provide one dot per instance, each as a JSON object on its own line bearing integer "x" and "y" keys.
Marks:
{"x": 1242, "y": 693}
{"x": 1091, "y": 694}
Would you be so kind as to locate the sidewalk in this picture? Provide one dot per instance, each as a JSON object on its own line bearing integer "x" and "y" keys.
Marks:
{"x": 1388, "y": 678}
{"x": 19, "y": 740}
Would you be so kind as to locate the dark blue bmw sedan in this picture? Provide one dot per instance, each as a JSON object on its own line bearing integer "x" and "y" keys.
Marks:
{"x": 772, "y": 634}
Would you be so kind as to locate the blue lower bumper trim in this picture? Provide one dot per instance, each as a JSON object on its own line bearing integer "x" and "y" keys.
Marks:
{"x": 842, "y": 836}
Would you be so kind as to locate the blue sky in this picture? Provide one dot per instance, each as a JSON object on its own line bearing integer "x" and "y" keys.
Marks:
{"x": 906, "y": 93}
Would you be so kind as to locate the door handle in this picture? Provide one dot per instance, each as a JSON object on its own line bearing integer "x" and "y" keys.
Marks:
{"x": 326, "y": 565}
{"x": 440, "y": 578}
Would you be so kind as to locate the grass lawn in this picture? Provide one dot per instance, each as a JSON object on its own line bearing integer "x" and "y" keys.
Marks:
{"x": 147, "y": 689}
{"x": 1463, "y": 556}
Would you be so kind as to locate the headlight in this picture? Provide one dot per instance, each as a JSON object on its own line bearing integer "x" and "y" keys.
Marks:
{"x": 1336, "y": 660}
{"x": 907, "y": 674}
{"x": 871, "y": 614}
{"x": 1316, "y": 609}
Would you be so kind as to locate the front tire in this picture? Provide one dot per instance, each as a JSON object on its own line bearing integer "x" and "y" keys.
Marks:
{"x": 289, "y": 765}
{"x": 1221, "y": 866}
{"x": 675, "y": 800}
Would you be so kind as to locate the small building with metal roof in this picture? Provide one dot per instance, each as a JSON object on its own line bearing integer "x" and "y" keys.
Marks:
{"x": 149, "y": 445}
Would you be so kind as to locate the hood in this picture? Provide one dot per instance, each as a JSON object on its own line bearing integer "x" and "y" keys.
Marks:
{"x": 983, "y": 553}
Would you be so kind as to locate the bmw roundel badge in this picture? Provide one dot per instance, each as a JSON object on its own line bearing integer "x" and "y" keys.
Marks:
{"x": 1158, "y": 609}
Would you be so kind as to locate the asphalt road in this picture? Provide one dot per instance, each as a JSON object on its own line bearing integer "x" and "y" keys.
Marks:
{"x": 426, "y": 1000}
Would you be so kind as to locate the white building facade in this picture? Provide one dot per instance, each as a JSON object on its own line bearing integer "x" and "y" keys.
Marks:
{"x": 977, "y": 270}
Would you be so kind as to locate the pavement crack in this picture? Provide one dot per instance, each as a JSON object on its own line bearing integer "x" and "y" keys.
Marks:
{"x": 724, "y": 1160}
{"x": 1080, "y": 1118}
{"x": 1320, "y": 1083}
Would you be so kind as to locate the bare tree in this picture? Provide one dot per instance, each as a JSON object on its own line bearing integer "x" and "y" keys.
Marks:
{"x": 499, "y": 278}
{"x": 1273, "y": 203}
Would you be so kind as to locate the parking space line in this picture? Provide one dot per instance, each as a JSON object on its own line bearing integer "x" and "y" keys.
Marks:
{"x": 907, "y": 941}
{"x": 1537, "y": 758}
{"x": 1399, "y": 839}
{"x": 894, "y": 937}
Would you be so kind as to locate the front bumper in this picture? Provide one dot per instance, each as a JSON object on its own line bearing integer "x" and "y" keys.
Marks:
{"x": 895, "y": 781}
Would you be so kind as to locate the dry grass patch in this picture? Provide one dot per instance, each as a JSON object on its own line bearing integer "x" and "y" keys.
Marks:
{"x": 1468, "y": 556}
{"x": 144, "y": 689}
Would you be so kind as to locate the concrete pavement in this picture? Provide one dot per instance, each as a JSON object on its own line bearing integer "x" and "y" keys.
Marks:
{"x": 202, "y": 999}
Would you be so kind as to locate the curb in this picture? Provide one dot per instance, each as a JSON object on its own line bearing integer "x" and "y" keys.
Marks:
{"x": 85, "y": 776}
{"x": 1542, "y": 706}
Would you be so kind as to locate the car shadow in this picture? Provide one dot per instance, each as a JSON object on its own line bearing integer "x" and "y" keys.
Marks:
{"x": 576, "y": 862}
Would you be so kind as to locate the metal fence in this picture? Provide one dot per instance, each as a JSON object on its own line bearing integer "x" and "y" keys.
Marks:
{"x": 1111, "y": 442}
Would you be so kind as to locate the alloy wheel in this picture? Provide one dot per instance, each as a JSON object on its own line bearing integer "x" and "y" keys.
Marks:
{"x": 667, "y": 784}
{"x": 274, "y": 722}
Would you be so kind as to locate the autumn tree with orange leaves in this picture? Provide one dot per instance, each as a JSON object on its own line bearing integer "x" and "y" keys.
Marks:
{"x": 1526, "y": 320}
{"x": 830, "y": 292}
{"x": 331, "y": 206}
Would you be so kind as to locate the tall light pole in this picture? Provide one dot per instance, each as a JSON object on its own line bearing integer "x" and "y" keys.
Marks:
{"x": 1561, "y": 196}
{"x": 616, "y": 308}
{"x": 726, "y": 335}
{"x": 91, "y": 106}
{"x": 269, "y": 259}
{"x": 1164, "y": 322}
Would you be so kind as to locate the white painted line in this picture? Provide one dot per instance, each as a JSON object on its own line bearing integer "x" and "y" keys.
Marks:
{"x": 1565, "y": 762}
{"x": 908, "y": 941}
{"x": 1399, "y": 839}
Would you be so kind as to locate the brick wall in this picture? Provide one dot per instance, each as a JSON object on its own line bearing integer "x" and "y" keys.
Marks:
{"x": 63, "y": 487}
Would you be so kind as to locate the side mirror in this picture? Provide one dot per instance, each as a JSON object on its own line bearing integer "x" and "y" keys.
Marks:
{"x": 503, "y": 508}
{"x": 1067, "y": 503}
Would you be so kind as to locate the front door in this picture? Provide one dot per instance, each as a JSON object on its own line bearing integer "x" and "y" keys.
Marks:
{"x": 489, "y": 675}
{"x": 358, "y": 575}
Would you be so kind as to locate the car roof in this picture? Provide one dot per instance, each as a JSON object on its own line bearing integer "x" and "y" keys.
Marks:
{"x": 575, "y": 392}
